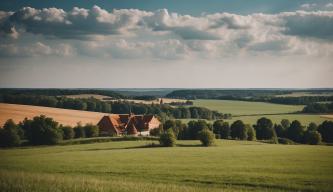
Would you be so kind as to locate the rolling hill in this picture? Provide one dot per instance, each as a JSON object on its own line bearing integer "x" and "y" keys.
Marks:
{"x": 63, "y": 116}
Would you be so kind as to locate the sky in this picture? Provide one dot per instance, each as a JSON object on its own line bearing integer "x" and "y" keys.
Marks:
{"x": 166, "y": 44}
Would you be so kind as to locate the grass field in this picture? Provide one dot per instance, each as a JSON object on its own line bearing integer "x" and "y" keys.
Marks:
{"x": 246, "y": 108}
{"x": 63, "y": 116}
{"x": 124, "y": 166}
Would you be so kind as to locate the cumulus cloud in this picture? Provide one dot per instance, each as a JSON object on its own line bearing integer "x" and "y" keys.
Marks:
{"x": 132, "y": 33}
{"x": 329, "y": 5}
{"x": 308, "y": 5}
{"x": 36, "y": 49}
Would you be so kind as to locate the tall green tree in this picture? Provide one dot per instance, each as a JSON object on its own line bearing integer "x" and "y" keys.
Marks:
{"x": 264, "y": 128}
{"x": 9, "y": 136}
{"x": 295, "y": 131}
{"x": 238, "y": 130}
{"x": 326, "y": 131}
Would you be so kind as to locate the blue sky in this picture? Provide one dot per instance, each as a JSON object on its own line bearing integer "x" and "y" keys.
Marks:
{"x": 150, "y": 43}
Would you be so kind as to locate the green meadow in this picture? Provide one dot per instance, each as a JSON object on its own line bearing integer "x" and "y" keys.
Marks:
{"x": 250, "y": 112}
{"x": 246, "y": 107}
{"x": 130, "y": 166}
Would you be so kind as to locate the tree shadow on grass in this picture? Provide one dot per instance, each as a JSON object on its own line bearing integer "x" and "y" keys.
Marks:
{"x": 188, "y": 145}
{"x": 152, "y": 145}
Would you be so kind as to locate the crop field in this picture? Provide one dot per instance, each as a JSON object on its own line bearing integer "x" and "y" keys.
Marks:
{"x": 63, "y": 116}
{"x": 246, "y": 108}
{"x": 130, "y": 166}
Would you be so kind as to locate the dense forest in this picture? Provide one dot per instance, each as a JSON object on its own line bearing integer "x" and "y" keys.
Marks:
{"x": 59, "y": 92}
{"x": 318, "y": 108}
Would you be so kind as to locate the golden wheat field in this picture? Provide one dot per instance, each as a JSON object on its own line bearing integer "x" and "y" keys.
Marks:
{"x": 63, "y": 116}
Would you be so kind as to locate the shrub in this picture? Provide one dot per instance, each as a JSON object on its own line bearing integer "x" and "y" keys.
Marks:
{"x": 43, "y": 130}
{"x": 91, "y": 130}
{"x": 156, "y": 132}
{"x": 9, "y": 136}
{"x": 68, "y": 132}
{"x": 167, "y": 139}
{"x": 312, "y": 137}
{"x": 251, "y": 133}
{"x": 206, "y": 137}
{"x": 285, "y": 141}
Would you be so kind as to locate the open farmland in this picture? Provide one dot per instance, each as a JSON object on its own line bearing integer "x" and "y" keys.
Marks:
{"x": 107, "y": 98}
{"x": 63, "y": 116}
{"x": 245, "y": 107}
{"x": 87, "y": 96}
{"x": 124, "y": 166}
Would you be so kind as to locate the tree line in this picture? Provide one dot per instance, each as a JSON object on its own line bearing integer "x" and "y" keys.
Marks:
{"x": 42, "y": 130}
{"x": 285, "y": 132}
{"x": 164, "y": 111}
{"x": 60, "y": 92}
{"x": 318, "y": 108}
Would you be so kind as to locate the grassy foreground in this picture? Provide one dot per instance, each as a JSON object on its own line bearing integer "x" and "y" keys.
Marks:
{"x": 127, "y": 166}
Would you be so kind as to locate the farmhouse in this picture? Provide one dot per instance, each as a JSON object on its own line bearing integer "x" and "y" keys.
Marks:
{"x": 127, "y": 124}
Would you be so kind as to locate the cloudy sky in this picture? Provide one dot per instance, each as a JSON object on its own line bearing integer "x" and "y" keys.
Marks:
{"x": 178, "y": 44}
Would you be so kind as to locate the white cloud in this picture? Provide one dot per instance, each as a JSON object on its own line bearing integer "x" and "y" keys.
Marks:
{"x": 36, "y": 49}
{"x": 329, "y": 5}
{"x": 308, "y": 5}
{"x": 131, "y": 33}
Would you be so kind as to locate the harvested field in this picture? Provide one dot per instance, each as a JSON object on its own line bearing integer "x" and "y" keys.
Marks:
{"x": 63, "y": 116}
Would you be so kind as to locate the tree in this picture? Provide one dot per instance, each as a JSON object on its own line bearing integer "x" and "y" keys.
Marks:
{"x": 167, "y": 139}
{"x": 206, "y": 137}
{"x": 285, "y": 123}
{"x": 264, "y": 128}
{"x": 312, "y": 127}
{"x": 326, "y": 131}
{"x": 91, "y": 130}
{"x": 225, "y": 131}
{"x": 43, "y": 131}
{"x": 280, "y": 131}
{"x": 194, "y": 113}
{"x": 238, "y": 130}
{"x": 9, "y": 136}
{"x": 312, "y": 137}
{"x": 194, "y": 127}
{"x": 79, "y": 131}
{"x": 217, "y": 127}
{"x": 295, "y": 131}
{"x": 68, "y": 132}
{"x": 169, "y": 124}
{"x": 251, "y": 133}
